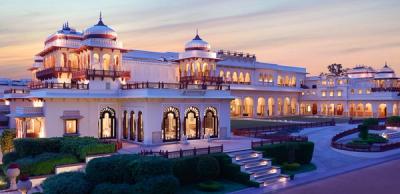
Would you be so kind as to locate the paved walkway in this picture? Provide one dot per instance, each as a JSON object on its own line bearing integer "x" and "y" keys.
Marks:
{"x": 382, "y": 178}
{"x": 329, "y": 161}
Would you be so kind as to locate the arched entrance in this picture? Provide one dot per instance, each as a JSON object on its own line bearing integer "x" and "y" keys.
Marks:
{"x": 339, "y": 109}
{"x": 235, "y": 107}
{"x": 314, "y": 109}
{"x": 382, "y": 113}
{"x": 286, "y": 106}
{"x": 140, "y": 127}
{"x": 248, "y": 107}
{"x": 395, "y": 110}
{"x": 271, "y": 106}
{"x": 125, "y": 124}
{"x": 192, "y": 123}
{"x": 261, "y": 106}
{"x": 352, "y": 110}
{"x": 170, "y": 126}
{"x": 293, "y": 106}
{"x": 280, "y": 106}
{"x": 107, "y": 123}
{"x": 368, "y": 110}
{"x": 211, "y": 122}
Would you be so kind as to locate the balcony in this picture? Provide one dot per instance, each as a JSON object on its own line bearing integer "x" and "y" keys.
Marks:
{"x": 162, "y": 85}
{"x": 92, "y": 74}
{"x": 53, "y": 72}
{"x": 16, "y": 91}
{"x": 201, "y": 79}
{"x": 47, "y": 85}
{"x": 385, "y": 89}
{"x": 4, "y": 109}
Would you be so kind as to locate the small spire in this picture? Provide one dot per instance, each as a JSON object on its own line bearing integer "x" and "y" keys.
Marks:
{"x": 100, "y": 18}
{"x": 197, "y": 37}
{"x": 67, "y": 25}
{"x": 100, "y": 23}
{"x": 386, "y": 64}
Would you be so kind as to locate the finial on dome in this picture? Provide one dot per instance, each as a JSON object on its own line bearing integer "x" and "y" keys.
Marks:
{"x": 386, "y": 64}
{"x": 197, "y": 37}
{"x": 100, "y": 23}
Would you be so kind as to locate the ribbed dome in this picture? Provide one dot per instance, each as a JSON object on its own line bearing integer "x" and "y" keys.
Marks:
{"x": 361, "y": 72}
{"x": 197, "y": 44}
{"x": 100, "y": 30}
{"x": 385, "y": 72}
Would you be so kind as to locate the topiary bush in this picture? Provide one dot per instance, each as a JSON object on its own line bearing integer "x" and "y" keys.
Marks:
{"x": 6, "y": 141}
{"x": 291, "y": 166}
{"x": 150, "y": 166}
{"x": 44, "y": 164}
{"x": 280, "y": 153}
{"x": 165, "y": 184}
{"x": 363, "y": 134}
{"x": 109, "y": 188}
{"x": 370, "y": 122}
{"x": 67, "y": 183}
{"x": 35, "y": 146}
{"x": 93, "y": 149}
{"x": 113, "y": 169}
{"x": 181, "y": 167}
{"x": 208, "y": 168}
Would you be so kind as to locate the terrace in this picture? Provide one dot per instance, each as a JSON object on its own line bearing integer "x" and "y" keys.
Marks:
{"x": 53, "y": 72}
{"x": 162, "y": 85}
{"x": 92, "y": 74}
{"x": 51, "y": 85}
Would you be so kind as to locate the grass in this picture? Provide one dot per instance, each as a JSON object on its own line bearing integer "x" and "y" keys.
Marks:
{"x": 238, "y": 123}
{"x": 228, "y": 186}
{"x": 302, "y": 169}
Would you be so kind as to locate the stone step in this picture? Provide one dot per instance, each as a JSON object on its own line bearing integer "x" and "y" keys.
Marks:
{"x": 263, "y": 171}
{"x": 259, "y": 169}
{"x": 252, "y": 165}
{"x": 248, "y": 160}
{"x": 273, "y": 181}
{"x": 264, "y": 174}
{"x": 240, "y": 153}
{"x": 267, "y": 178}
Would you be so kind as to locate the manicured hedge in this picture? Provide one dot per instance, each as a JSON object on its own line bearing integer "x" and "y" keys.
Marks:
{"x": 113, "y": 169}
{"x": 363, "y": 134}
{"x": 300, "y": 152}
{"x": 6, "y": 140}
{"x": 34, "y": 146}
{"x": 67, "y": 183}
{"x": 208, "y": 168}
{"x": 165, "y": 184}
{"x": 44, "y": 163}
{"x": 144, "y": 168}
{"x": 10, "y": 157}
{"x": 371, "y": 122}
{"x": 109, "y": 188}
{"x": 93, "y": 149}
{"x": 393, "y": 120}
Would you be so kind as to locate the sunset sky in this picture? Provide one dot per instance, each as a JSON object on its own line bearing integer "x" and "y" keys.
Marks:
{"x": 307, "y": 33}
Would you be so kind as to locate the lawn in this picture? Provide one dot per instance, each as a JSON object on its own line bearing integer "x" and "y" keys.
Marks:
{"x": 229, "y": 186}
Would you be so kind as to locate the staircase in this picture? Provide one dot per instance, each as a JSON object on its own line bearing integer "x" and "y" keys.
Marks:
{"x": 259, "y": 168}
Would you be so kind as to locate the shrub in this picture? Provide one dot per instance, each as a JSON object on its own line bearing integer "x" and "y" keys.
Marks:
{"x": 393, "y": 120}
{"x": 93, "y": 149}
{"x": 6, "y": 140}
{"x": 44, "y": 163}
{"x": 291, "y": 166}
{"x": 363, "y": 131}
{"x": 147, "y": 167}
{"x": 30, "y": 147}
{"x": 302, "y": 152}
{"x": 376, "y": 138}
{"x": 165, "y": 184}
{"x": 210, "y": 186}
{"x": 208, "y": 168}
{"x": 181, "y": 167}
{"x": 113, "y": 169}
{"x": 109, "y": 188}
{"x": 10, "y": 157}
{"x": 67, "y": 183}
{"x": 370, "y": 122}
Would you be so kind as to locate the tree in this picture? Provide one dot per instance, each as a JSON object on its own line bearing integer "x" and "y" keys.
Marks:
{"x": 336, "y": 69}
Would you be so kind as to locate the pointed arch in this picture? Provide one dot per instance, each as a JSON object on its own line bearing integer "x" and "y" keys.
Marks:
{"x": 171, "y": 124}
{"x": 210, "y": 122}
{"x": 192, "y": 123}
{"x": 107, "y": 123}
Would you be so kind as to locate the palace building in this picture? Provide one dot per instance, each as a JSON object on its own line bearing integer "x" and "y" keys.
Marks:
{"x": 88, "y": 84}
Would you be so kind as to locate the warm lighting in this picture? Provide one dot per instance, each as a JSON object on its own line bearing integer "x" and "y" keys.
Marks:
{"x": 273, "y": 171}
{"x": 86, "y": 81}
{"x": 282, "y": 179}
{"x": 384, "y": 135}
{"x": 37, "y": 103}
{"x": 7, "y": 102}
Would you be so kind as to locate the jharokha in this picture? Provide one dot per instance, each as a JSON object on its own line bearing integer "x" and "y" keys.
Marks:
{"x": 87, "y": 84}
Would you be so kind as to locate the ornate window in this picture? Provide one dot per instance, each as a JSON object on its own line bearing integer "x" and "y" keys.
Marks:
{"x": 192, "y": 123}
{"x": 211, "y": 122}
{"x": 71, "y": 126}
{"x": 170, "y": 125}
{"x": 107, "y": 123}
{"x": 140, "y": 127}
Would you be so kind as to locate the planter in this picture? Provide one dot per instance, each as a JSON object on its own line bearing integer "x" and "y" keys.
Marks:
{"x": 24, "y": 184}
{"x": 12, "y": 174}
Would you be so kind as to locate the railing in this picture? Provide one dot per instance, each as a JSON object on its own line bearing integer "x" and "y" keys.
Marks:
{"x": 261, "y": 132}
{"x": 29, "y": 110}
{"x": 92, "y": 73}
{"x": 162, "y": 85}
{"x": 191, "y": 79}
{"x": 51, "y": 85}
{"x": 237, "y": 82}
{"x": 386, "y": 89}
{"x": 278, "y": 139}
{"x": 53, "y": 71}
{"x": 361, "y": 148}
{"x": 184, "y": 153}
{"x": 16, "y": 91}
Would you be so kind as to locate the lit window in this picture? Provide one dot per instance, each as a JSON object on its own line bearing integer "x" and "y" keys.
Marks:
{"x": 340, "y": 82}
{"x": 323, "y": 93}
{"x": 331, "y": 93}
{"x": 302, "y": 93}
{"x": 313, "y": 93}
{"x": 368, "y": 91}
{"x": 71, "y": 126}
{"x": 359, "y": 91}
{"x": 352, "y": 91}
{"x": 323, "y": 83}
{"x": 339, "y": 93}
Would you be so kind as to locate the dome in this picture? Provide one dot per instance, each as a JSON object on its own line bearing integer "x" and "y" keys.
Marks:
{"x": 361, "y": 72}
{"x": 65, "y": 32}
{"x": 385, "y": 73}
{"x": 100, "y": 30}
{"x": 197, "y": 44}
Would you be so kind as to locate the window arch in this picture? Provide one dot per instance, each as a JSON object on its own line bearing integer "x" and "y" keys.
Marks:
{"x": 107, "y": 123}
{"x": 241, "y": 77}
{"x": 170, "y": 125}
{"x": 247, "y": 78}
{"x": 192, "y": 123}
{"x": 228, "y": 76}
{"x": 234, "y": 77}
{"x": 96, "y": 58}
{"x": 132, "y": 126}
{"x": 221, "y": 73}
{"x": 106, "y": 62}
{"x": 140, "y": 127}
{"x": 211, "y": 122}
